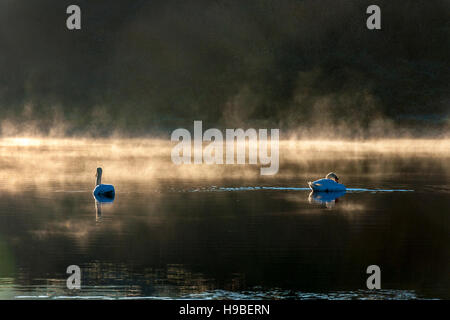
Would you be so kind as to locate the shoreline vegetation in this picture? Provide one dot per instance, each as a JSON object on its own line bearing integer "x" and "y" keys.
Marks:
{"x": 149, "y": 68}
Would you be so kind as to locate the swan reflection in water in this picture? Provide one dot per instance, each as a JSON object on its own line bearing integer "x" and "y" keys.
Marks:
{"x": 99, "y": 201}
{"x": 103, "y": 193}
{"x": 329, "y": 199}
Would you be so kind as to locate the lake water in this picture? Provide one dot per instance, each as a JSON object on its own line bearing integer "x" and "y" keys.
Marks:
{"x": 216, "y": 232}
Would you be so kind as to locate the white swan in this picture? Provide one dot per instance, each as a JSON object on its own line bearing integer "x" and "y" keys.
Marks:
{"x": 103, "y": 192}
{"x": 329, "y": 184}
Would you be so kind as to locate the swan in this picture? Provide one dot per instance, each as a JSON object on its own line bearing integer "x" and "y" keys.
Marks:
{"x": 329, "y": 184}
{"x": 103, "y": 192}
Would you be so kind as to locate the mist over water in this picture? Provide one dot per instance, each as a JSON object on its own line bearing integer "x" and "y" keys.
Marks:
{"x": 199, "y": 231}
{"x": 372, "y": 106}
{"x": 50, "y": 162}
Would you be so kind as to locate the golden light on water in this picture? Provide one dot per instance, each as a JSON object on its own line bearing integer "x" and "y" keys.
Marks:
{"x": 62, "y": 163}
{"x": 20, "y": 142}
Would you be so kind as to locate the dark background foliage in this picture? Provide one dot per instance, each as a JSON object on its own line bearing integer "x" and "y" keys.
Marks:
{"x": 143, "y": 67}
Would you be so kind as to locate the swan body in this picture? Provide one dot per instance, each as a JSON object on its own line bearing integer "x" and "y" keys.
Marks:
{"x": 103, "y": 192}
{"x": 328, "y": 184}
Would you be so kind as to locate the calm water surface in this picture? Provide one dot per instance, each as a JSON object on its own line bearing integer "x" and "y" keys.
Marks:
{"x": 213, "y": 235}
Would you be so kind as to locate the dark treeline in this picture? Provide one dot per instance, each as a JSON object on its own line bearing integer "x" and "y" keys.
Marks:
{"x": 141, "y": 67}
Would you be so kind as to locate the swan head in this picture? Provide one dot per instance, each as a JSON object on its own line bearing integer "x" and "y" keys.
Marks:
{"x": 99, "y": 176}
{"x": 332, "y": 176}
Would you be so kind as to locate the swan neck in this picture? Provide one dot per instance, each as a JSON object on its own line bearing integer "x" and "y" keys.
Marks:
{"x": 99, "y": 178}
